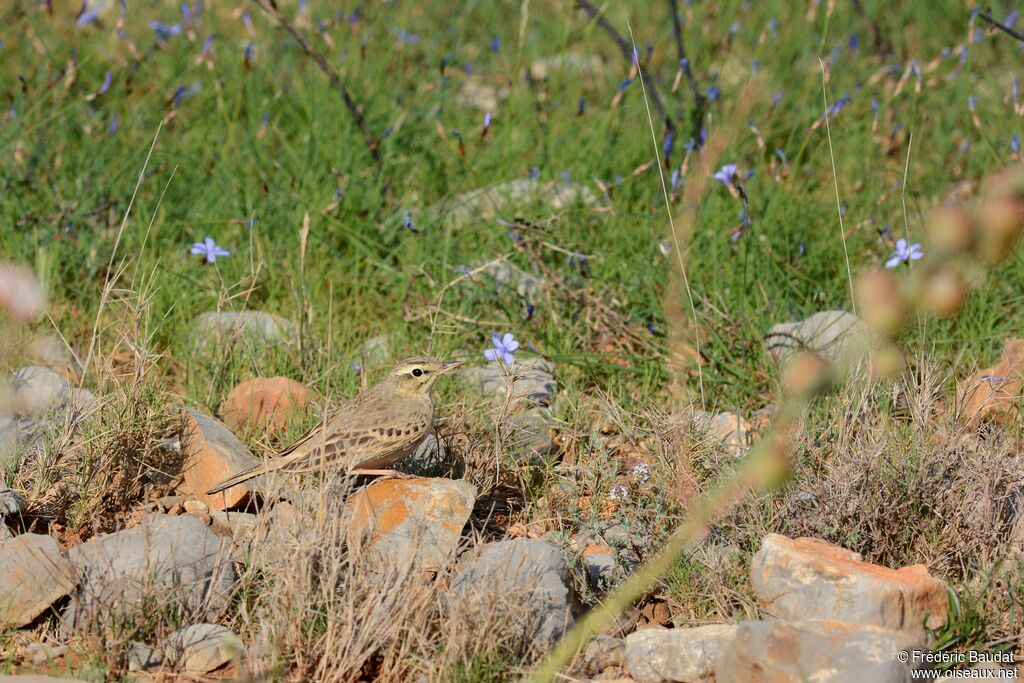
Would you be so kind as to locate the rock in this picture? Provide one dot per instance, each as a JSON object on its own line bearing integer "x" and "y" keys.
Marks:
{"x": 728, "y": 429}
{"x": 41, "y": 653}
{"x": 478, "y": 93}
{"x": 599, "y": 566}
{"x": 526, "y": 580}
{"x": 34, "y": 573}
{"x": 174, "y": 560}
{"x": 529, "y": 434}
{"x": 211, "y": 454}
{"x": 201, "y": 648}
{"x": 788, "y": 652}
{"x": 678, "y": 654}
{"x": 256, "y": 329}
{"x": 533, "y": 382}
{"x": 142, "y": 657}
{"x": 398, "y": 522}
{"x": 264, "y": 403}
{"x": 826, "y": 332}
{"x": 242, "y": 525}
{"x": 508, "y": 276}
{"x": 806, "y": 578}
{"x": 11, "y": 502}
{"x": 430, "y": 459}
{"x": 376, "y": 351}
{"x": 603, "y": 653}
{"x": 38, "y": 391}
{"x": 589, "y": 68}
{"x": 486, "y": 203}
{"x": 51, "y": 352}
{"x": 994, "y": 393}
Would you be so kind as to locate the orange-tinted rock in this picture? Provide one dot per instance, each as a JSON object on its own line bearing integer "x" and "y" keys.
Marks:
{"x": 795, "y": 652}
{"x": 264, "y": 402}
{"x": 807, "y": 578}
{"x": 419, "y": 521}
{"x": 211, "y": 454}
{"x": 994, "y": 393}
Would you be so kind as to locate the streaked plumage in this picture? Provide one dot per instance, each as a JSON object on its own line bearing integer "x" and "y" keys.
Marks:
{"x": 374, "y": 429}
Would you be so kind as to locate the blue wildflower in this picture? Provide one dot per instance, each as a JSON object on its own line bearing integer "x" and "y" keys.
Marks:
{"x": 905, "y": 253}
{"x": 529, "y": 311}
{"x": 670, "y": 138}
{"x": 534, "y": 173}
{"x": 249, "y": 49}
{"x": 408, "y": 223}
{"x": 209, "y": 250}
{"x": 581, "y": 105}
{"x": 495, "y": 44}
{"x": 1011, "y": 18}
{"x": 972, "y": 101}
{"x": 874, "y": 106}
{"x": 625, "y": 84}
{"x": 725, "y": 174}
{"x": 106, "y": 83}
{"x": 502, "y": 347}
{"x": 186, "y": 14}
{"x": 113, "y": 124}
{"x": 487, "y": 120}
{"x": 87, "y": 15}
{"x": 179, "y": 95}
{"x": 755, "y": 66}
{"x": 675, "y": 178}
{"x": 1015, "y": 143}
{"x": 714, "y": 92}
{"x": 208, "y": 43}
{"x": 776, "y": 98}
{"x": 773, "y": 26}
{"x": 164, "y": 31}
{"x": 853, "y": 43}
{"x": 684, "y": 63}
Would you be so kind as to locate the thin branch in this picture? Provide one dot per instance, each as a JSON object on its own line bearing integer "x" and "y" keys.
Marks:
{"x": 1005, "y": 29}
{"x": 372, "y": 143}
{"x": 699, "y": 101}
{"x": 627, "y": 52}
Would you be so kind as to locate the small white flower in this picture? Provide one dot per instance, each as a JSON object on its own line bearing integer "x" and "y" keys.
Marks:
{"x": 618, "y": 492}
{"x": 641, "y": 472}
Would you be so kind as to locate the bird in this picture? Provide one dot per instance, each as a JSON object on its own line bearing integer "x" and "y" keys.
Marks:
{"x": 370, "y": 432}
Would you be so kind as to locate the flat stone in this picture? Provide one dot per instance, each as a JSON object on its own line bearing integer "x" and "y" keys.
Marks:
{"x": 533, "y": 382}
{"x": 202, "y": 648}
{"x": 590, "y": 68}
{"x": 820, "y": 651}
{"x": 220, "y": 329}
{"x": 398, "y": 522}
{"x": 993, "y": 395}
{"x": 50, "y": 351}
{"x": 38, "y": 390}
{"x": 529, "y": 435}
{"x": 807, "y": 578}
{"x": 264, "y": 403}
{"x": 142, "y": 657}
{"x": 34, "y": 573}
{"x": 41, "y": 653}
{"x": 728, "y": 429}
{"x": 526, "y": 579}
{"x": 176, "y": 560}
{"x": 603, "y": 653}
{"x": 508, "y": 277}
{"x": 599, "y": 565}
{"x": 679, "y": 654}
{"x": 826, "y": 332}
{"x": 211, "y": 454}
{"x": 485, "y": 204}
{"x": 476, "y": 92}
{"x": 240, "y": 524}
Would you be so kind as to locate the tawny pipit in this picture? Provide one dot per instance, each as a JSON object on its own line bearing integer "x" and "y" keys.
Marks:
{"x": 373, "y": 430}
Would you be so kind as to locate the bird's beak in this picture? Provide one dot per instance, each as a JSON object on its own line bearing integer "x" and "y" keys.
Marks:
{"x": 450, "y": 365}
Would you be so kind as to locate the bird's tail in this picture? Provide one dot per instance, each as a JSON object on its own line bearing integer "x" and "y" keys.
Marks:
{"x": 242, "y": 477}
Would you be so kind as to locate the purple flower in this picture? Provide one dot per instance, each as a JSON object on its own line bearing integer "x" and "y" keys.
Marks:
{"x": 618, "y": 492}
{"x": 782, "y": 156}
{"x": 670, "y": 138}
{"x": 487, "y": 120}
{"x": 854, "y": 42}
{"x": 186, "y": 14}
{"x": 113, "y": 124}
{"x": 164, "y": 31}
{"x": 993, "y": 379}
{"x": 641, "y": 472}
{"x": 675, "y": 178}
{"x": 904, "y": 254}
{"x": 502, "y": 347}
{"x": 625, "y": 84}
{"x": 534, "y": 173}
{"x": 874, "y": 106}
{"x": 87, "y": 15}
{"x": 249, "y": 51}
{"x": 209, "y": 250}
{"x": 581, "y": 106}
{"x": 495, "y": 44}
{"x": 725, "y": 174}
{"x": 106, "y": 84}
{"x": 972, "y": 102}
{"x": 714, "y": 92}
{"x": 1011, "y": 18}
{"x": 208, "y": 43}
{"x": 247, "y": 20}
{"x": 408, "y": 223}
{"x": 1015, "y": 143}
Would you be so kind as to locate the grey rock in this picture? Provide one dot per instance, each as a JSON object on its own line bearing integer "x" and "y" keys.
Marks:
{"x": 824, "y": 651}
{"x": 533, "y": 382}
{"x": 252, "y": 328}
{"x": 34, "y": 573}
{"x": 142, "y": 657}
{"x": 38, "y": 390}
{"x": 11, "y": 502}
{"x": 81, "y": 399}
{"x": 201, "y": 648}
{"x": 509, "y": 277}
{"x": 526, "y": 579}
{"x": 486, "y": 203}
{"x": 174, "y": 560}
{"x": 240, "y": 524}
{"x": 376, "y": 351}
{"x": 529, "y": 435}
{"x": 51, "y": 352}
{"x": 600, "y": 570}
{"x": 478, "y": 93}
{"x": 579, "y": 65}
{"x": 687, "y": 655}
{"x": 41, "y": 653}
{"x": 618, "y": 535}
{"x": 603, "y": 653}
{"x": 826, "y": 332}
{"x": 430, "y": 459}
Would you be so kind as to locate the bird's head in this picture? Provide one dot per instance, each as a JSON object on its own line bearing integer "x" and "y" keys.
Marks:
{"x": 417, "y": 375}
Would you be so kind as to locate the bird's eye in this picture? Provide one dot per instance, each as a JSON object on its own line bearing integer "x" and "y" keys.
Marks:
{"x": 416, "y": 372}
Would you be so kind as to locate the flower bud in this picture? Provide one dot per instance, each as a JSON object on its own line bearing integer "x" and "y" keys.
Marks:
{"x": 944, "y": 292}
{"x": 880, "y": 303}
{"x": 805, "y": 373}
{"x": 951, "y": 229}
{"x": 20, "y": 292}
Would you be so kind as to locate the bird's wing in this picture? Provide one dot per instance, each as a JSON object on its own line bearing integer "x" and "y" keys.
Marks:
{"x": 355, "y": 433}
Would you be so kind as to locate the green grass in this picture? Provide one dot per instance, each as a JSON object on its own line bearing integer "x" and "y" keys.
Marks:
{"x": 216, "y": 165}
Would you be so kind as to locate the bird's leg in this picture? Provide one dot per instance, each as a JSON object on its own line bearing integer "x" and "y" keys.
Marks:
{"x": 384, "y": 474}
